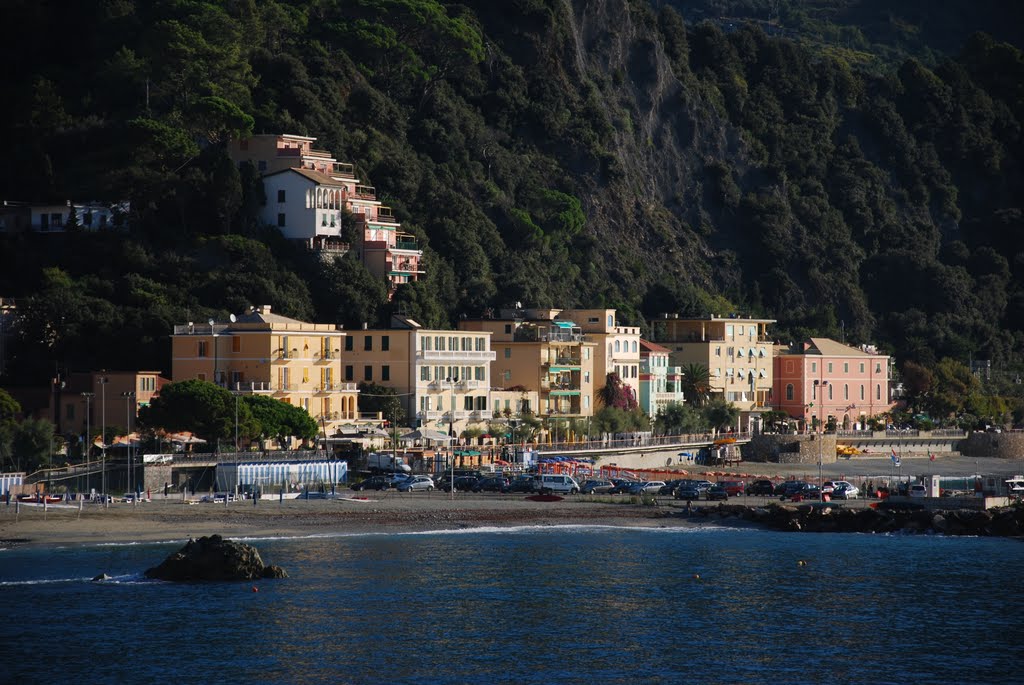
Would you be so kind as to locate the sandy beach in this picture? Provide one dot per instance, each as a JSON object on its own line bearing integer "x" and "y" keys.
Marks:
{"x": 390, "y": 511}
{"x": 171, "y": 519}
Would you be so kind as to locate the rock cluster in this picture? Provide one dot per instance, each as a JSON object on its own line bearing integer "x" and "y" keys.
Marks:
{"x": 214, "y": 558}
{"x": 815, "y": 518}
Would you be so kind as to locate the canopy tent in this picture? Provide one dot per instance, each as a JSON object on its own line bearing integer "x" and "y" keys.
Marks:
{"x": 426, "y": 434}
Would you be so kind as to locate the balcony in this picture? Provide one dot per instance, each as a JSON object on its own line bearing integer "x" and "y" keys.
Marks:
{"x": 318, "y": 153}
{"x": 470, "y": 385}
{"x": 387, "y": 215}
{"x": 252, "y": 386}
{"x": 455, "y": 355}
{"x": 407, "y": 244}
{"x": 325, "y": 357}
{"x": 564, "y": 361}
{"x": 337, "y": 387}
{"x": 284, "y": 356}
{"x": 343, "y": 170}
{"x": 365, "y": 193}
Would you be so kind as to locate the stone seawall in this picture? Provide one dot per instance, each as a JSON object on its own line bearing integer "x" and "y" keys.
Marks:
{"x": 826, "y": 518}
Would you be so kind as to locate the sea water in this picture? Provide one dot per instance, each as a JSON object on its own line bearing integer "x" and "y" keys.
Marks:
{"x": 529, "y": 605}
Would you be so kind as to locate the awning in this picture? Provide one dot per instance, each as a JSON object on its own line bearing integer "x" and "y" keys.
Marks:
{"x": 565, "y": 324}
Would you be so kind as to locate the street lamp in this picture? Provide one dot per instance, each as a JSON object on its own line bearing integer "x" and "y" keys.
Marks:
{"x": 88, "y": 432}
{"x": 129, "y": 399}
{"x": 451, "y": 433}
{"x": 819, "y": 389}
{"x": 103, "y": 438}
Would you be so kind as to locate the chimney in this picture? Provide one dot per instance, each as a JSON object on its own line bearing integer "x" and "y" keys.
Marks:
{"x": 264, "y": 309}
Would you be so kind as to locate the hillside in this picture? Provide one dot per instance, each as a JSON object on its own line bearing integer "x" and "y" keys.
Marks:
{"x": 556, "y": 153}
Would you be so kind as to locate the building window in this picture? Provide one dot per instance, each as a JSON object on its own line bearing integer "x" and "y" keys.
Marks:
{"x": 862, "y": 393}
{"x": 507, "y": 375}
{"x": 280, "y": 196}
{"x": 385, "y": 343}
{"x": 508, "y": 329}
{"x": 236, "y": 343}
{"x": 814, "y": 367}
{"x": 202, "y": 349}
{"x": 830, "y": 367}
{"x": 789, "y": 392}
{"x": 878, "y": 368}
{"x": 862, "y": 368}
{"x": 367, "y": 373}
{"x": 508, "y": 353}
{"x": 846, "y": 392}
{"x": 349, "y": 374}
{"x": 586, "y": 376}
{"x": 878, "y": 392}
{"x": 846, "y": 367}
{"x": 728, "y": 332}
{"x": 830, "y": 391}
{"x": 385, "y": 373}
{"x": 718, "y": 351}
{"x": 616, "y": 345}
{"x": 348, "y": 343}
{"x": 467, "y": 403}
{"x": 424, "y": 373}
{"x": 367, "y": 343}
{"x": 281, "y": 223}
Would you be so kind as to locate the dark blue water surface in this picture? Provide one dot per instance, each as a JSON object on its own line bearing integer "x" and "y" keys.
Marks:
{"x": 530, "y": 605}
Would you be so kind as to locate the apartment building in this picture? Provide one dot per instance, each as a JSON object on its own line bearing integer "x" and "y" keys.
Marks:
{"x": 20, "y": 217}
{"x": 264, "y": 353}
{"x": 86, "y": 401}
{"x": 735, "y": 350}
{"x": 618, "y": 346}
{"x": 442, "y": 377}
{"x": 540, "y": 353}
{"x": 821, "y": 379}
{"x": 660, "y": 384}
{"x": 307, "y": 193}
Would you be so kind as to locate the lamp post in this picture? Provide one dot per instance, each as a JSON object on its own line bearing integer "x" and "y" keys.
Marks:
{"x": 819, "y": 386}
{"x": 103, "y": 438}
{"x": 88, "y": 432}
{"x": 236, "y": 424}
{"x": 451, "y": 434}
{"x": 129, "y": 399}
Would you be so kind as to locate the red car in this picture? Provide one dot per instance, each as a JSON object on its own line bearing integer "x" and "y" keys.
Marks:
{"x": 735, "y": 488}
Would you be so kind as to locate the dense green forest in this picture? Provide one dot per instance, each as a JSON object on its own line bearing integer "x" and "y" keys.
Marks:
{"x": 650, "y": 157}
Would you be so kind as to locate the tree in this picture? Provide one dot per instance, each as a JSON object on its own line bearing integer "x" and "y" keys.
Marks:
{"x": 677, "y": 418}
{"x": 280, "y": 420}
{"x": 617, "y": 395}
{"x": 696, "y": 384}
{"x": 31, "y": 444}
{"x": 383, "y": 400}
{"x": 720, "y": 415}
{"x": 9, "y": 410}
{"x": 205, "y": 409}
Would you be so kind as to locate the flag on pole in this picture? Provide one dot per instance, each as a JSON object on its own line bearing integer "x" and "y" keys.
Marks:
{"x": 895, "y": 458}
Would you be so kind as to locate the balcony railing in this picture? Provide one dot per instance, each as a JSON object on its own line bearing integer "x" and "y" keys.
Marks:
{"x": 564, "y": 361}
{"x": 406, "y": 245}
{"x": 386, "y": 214}
{"x": 365, "y": 192}
{"x": 455, "y": 355}
{"x": 343, "y": 169}
{"x": 337, "y": 387}
{"x": 470, "y": 385}
{"x": 252, "y": 386}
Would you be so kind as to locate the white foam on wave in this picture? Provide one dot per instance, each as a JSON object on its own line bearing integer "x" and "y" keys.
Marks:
{"x": 123, "y": 579}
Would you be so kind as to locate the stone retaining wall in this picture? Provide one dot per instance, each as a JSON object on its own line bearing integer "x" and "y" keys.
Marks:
{"x": 785, "y": 448}
{"x": 998, "y": 445}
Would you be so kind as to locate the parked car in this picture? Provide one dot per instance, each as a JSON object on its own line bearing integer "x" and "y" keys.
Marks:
{"x": 520, "y": 484}
{"x": 595, "y": 487}
{"x": 462, "y": 483}
{"x": 621, "y": 486}
{"x": 917, "y": 490}
{"x": 670, "y": 487}
{"x": 703, "y": 485}
{"x": 550, "y": 483}
{"x": 791, "y": 487}
{"x": 688, "y": 491}
{"x": 717, "y": 492}
{"x": 491, "y": 484}
{"x": 735, "y": 488}
{"x": 373, "y": 483}
{"x": 651, "y": 487}
{"x": 761, "y": 487}
{"x": 414, "y": 483}
{"x": 842, "y": 489}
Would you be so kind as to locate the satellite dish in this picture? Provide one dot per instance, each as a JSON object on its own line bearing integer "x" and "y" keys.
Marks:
{"x": 232, "y": 318}
{"x": 210, "y": 322}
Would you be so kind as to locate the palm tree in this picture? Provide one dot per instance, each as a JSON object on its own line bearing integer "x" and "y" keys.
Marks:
{"x": 696, "y": 384}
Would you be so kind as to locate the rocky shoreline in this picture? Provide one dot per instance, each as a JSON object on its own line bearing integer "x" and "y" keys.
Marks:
{"x": 825, "y": 518}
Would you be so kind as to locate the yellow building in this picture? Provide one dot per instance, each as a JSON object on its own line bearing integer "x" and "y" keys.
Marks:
{"x": 736, "y": 351}
{"x": 543, "y": 354}
{"x": 617, "y": 347}
{"x": 268, "y": 354}
{"x": 443, "y": 378}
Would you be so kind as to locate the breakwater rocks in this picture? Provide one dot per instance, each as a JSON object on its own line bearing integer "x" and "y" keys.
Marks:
{"x": 214, "y": 558}
{"x": 828, "y": 518}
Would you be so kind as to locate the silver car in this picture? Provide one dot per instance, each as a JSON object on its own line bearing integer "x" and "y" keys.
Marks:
{"x": 416, "y": 483}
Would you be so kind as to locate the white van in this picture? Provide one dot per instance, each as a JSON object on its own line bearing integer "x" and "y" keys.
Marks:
{"x": 549, "y": 482}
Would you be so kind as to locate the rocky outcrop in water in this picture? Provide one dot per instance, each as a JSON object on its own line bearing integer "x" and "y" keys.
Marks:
{"x": 214, "y": 558}
{"x": 815, "y": 518}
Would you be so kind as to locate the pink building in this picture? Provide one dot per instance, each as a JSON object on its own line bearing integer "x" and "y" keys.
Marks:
{"x": 822, "y": 379}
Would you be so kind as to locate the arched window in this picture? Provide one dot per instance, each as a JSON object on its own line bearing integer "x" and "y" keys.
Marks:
{"x": 830, "y": 391}
{"x": 616, "y": 345}
{"x": 846, "y": 392}
{"x": 634, "y": 345}
{"x": 789, "y": 392}
{"x": 878, "y": 392}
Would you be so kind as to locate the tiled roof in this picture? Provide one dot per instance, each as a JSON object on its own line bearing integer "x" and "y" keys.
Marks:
{"x": 314, "y": 176}
{"x": 648, "y": 346}
{"x": 830, "y": 348}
